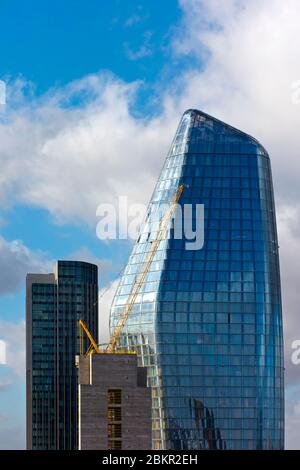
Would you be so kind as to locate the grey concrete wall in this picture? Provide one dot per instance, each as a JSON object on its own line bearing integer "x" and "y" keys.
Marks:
{"x": 114, "y": 371}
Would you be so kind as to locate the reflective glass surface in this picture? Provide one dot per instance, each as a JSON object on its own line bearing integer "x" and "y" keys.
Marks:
{"x": 207, "y": 323}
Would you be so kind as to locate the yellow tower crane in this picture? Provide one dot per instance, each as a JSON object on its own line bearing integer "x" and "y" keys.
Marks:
{"x": 111, "y": 347}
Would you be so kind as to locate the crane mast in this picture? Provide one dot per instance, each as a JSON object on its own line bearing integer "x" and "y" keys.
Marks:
{"x": 136, "y": 286}
{"x": 93, "y": 345}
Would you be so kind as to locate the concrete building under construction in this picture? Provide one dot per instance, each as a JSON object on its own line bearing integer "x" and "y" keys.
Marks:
{"x": 114, "y": 403}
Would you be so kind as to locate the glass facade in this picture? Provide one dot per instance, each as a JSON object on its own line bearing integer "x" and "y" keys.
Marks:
{"x": 208, "y": 323}
{"x": 55, "y": 303}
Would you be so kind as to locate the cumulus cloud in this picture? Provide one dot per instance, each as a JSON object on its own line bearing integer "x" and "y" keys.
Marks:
{"x": 248, "y": 80}
{"x": 292, "y": 419}
{"x": 249, "y": 50}
{"x": 14, "y": 336}
{"x": 16, "y": 260}
{"x": 12, "y": 421}
{"x": 68, "y": 158}
{"x": 82, "y": 144}
{"x": 106, "y": 296}
{"x": 289, "y": 222}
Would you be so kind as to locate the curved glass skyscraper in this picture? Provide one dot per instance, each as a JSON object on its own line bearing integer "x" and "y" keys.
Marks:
{"x": 208, "y": 322}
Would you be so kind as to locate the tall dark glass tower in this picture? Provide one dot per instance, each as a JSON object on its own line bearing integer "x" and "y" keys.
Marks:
{"x": 54, "y": 304}
{"x": 208, "y": 322}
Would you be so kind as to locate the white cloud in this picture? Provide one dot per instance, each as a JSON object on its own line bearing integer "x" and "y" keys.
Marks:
{"x": 250, "y": 51}
{"x": 292, "y": 420}
{"x": 16, "y": 261}
{"x": 288, "y": 218}
{"x": 106, "y": 296}
{"x": 14, "y": 336}
{"x": 70, "y": 159}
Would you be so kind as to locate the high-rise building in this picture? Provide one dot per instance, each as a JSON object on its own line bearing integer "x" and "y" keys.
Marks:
{"x": 114, "y": 403}
{"x": 208, "y": 322}
{"x": 54, "y": 304}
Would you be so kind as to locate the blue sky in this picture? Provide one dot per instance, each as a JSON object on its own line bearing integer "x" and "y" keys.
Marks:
{"x": 95, "y": 91}
{"x": 50, "y": 44}
{"x": 54, "y": 42}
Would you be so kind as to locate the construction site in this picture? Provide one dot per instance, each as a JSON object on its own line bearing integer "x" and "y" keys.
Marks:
{"x": 179, "y": 368}
{"x": 114, "y": 402}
